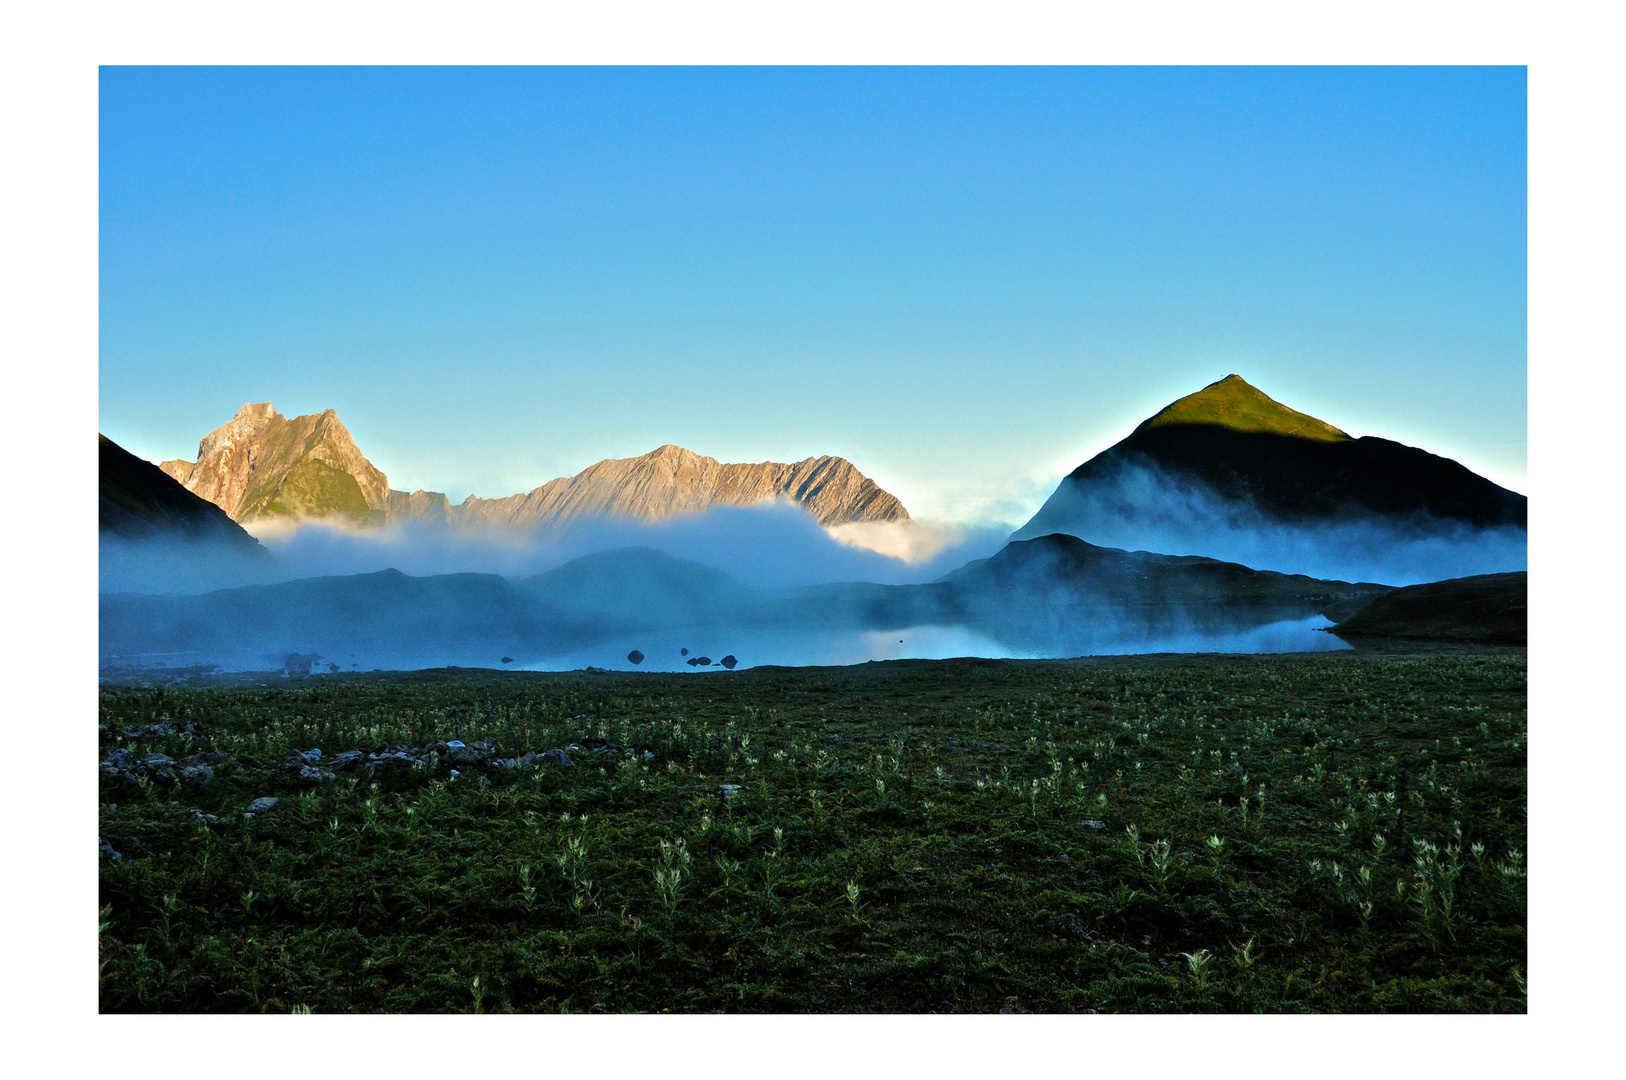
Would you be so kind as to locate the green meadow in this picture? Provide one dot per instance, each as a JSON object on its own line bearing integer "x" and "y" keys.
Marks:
{"x": 1335, "y": 832}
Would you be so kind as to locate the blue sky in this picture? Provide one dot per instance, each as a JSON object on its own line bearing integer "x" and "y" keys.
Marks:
{"x": 964, "y": 280}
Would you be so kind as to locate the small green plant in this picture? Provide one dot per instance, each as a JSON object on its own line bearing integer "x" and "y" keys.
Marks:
{"x": 1159, "y": 852}
{"x": 1197, "y": 963}
{"x": 671, "y": 870}
{"x": 527, "y": 888}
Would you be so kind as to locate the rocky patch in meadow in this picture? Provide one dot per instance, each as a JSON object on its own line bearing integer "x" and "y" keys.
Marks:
{"x": 314, "y": 767}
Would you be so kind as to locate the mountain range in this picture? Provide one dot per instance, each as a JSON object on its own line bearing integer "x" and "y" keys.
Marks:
{"x": 263, "y": 466}
{"x": 1051, "y": 588}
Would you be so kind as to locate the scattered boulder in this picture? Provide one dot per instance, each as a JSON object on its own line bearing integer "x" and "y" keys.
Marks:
{"x": 635, "y": 657}
{"x": 392, "y": 758}
{"x": 312, "y": 775}
{"x": 156, "y": 731}
{"x": 107, "y": 849}
{"x": 729, "y": 789}
{"x": 348, "y": 761}
{"x": 558, "y": 758}
{"x": 262, "y": 804}
{"x": 729, "y": 661}
{"x": 464, "y": 755}
{"x": 197, "y": 776}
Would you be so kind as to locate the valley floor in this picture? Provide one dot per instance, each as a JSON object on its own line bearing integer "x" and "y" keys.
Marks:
{"x": 1314, "y": 832}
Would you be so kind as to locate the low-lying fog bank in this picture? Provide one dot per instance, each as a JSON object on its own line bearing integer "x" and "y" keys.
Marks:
{"x": 1052, "y": 597}
{"x": 1145, "y": 508}
{"x": 771, "y": 545}
{"x": 749, "y": 647}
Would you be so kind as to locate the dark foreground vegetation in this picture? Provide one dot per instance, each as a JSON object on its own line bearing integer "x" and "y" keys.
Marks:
{"x": 1324, "y": 832}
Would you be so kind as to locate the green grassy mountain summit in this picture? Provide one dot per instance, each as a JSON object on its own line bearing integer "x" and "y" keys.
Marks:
{"x": 1235, "y": 404}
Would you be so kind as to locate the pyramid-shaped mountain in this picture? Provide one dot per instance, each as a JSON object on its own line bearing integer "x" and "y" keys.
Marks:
{"x": 1232, "y": 442}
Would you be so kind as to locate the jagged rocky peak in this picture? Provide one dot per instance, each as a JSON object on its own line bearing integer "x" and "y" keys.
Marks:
{"x": 261, "y": 465}
{"x": 417, "y": 506}
{"x": 671, "y": 481}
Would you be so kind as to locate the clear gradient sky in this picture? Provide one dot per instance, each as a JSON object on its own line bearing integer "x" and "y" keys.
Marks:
{"x": 964, "y": 280}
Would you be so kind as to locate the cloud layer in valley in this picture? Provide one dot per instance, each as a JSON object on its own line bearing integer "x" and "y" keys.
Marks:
{"x": 1146, "y": 509}
{"x": 771, "y": 545}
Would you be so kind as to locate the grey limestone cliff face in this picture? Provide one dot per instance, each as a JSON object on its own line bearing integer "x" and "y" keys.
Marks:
{"x": 420, "y": 507}
{"x": 671, "y": 482}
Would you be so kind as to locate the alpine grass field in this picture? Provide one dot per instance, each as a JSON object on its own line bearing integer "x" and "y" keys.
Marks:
{"x": 1302, "y": 833}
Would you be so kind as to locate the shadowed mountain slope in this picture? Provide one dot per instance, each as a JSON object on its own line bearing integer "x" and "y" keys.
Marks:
{"x": 1490, "y": 608}
{"x": 138, "y": 502}
{"x": 385, "y": 614}
{"x": 642, "y": 587}
{"x": 1062, "y": 565}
